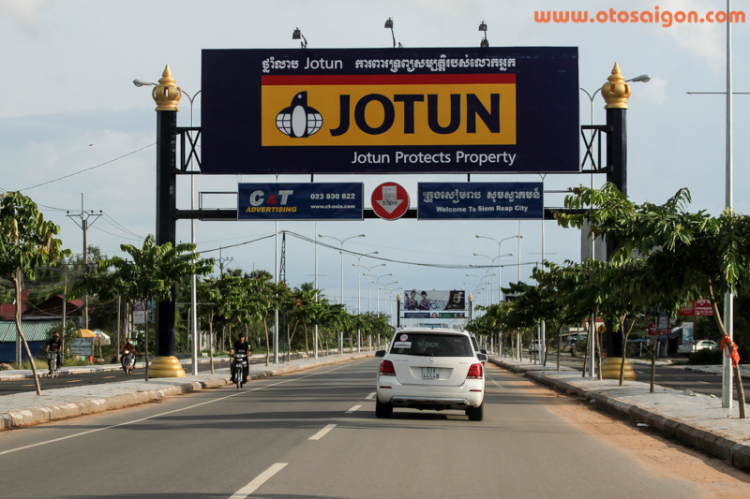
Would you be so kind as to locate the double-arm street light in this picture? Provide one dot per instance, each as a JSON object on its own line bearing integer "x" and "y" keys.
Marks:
{"x": 359, "y": 293}
{"x": 479, "y": 285}
{"x": 341, "y": 248}
{"x": 500, "y": 255}
{"x": 499, "y": 270}
{"x": 384, "y": 287}
{"x": 369, "y": 293}
{"x": 377, "y": 286}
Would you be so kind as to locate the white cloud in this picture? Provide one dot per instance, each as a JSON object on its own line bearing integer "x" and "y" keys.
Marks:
{"x": 24, "y": 13}
{"x": 654, "y": 92}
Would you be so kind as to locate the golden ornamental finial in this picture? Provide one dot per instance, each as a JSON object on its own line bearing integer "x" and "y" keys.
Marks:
{"x": 616, "y": 91}
{"x": 167, "y": 94}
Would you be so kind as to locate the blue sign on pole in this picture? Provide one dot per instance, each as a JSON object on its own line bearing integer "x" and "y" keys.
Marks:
{"x": 480, "y": 200}
{"x": 297, "y": 201}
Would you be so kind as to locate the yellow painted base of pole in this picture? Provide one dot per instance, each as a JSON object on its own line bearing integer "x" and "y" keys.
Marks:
{"x": 611, "y": 369}
{"x": 166, "y": 367}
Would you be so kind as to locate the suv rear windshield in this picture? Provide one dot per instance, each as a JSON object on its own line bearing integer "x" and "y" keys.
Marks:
{"x": 432, "y": 345}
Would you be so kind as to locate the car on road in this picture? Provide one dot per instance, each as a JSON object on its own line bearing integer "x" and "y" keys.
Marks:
{"x": 699, "y": 345}
{"x": 431, "y": 369}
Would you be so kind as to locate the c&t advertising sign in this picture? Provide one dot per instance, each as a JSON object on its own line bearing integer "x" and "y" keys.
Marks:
{"x": 297, "y": 201}
{"x": 390, "y": 111}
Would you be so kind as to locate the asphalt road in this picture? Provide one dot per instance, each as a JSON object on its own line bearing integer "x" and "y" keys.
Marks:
{"x": 668, "y": 376}
{"x": 315, "y": 435}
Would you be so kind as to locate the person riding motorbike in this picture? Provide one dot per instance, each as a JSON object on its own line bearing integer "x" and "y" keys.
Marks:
{"x": 55, "y": 345}
{"x": 242, "y": 347}
{"x": 128, "y": 346}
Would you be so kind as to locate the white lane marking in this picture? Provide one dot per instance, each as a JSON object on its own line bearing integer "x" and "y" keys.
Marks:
{"x": 353, "y": 409}
{"x": 258, "y": 481}
{"x": 371, "y": 396}
{"x": 322, "y": 432}
{"x": 493, "y": 381}
{"x": 97, "y": 430}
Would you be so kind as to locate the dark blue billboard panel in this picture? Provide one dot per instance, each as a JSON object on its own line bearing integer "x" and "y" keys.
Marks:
{"x": 297, "y": 201}
{"x": 459, "y": 110}
{"x": 480, "y": 200}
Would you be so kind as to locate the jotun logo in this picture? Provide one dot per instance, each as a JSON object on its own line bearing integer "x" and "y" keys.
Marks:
{"x": 299, "y": 119}
{"x": 465, "y": 109}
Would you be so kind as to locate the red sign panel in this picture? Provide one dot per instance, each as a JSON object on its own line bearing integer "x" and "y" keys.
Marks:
{"x": 390, "y": 201}
{"x": 699, "y": 308}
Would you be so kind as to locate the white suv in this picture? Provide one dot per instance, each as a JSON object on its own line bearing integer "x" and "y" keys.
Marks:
{"x": 434, "y": 369}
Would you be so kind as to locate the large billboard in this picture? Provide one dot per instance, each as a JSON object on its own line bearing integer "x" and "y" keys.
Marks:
{"x": 434, "y": 304}
{"x": 461, "y": 110}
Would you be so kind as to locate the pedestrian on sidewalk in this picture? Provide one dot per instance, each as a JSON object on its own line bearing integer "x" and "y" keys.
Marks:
{"x": 55, "y": 345}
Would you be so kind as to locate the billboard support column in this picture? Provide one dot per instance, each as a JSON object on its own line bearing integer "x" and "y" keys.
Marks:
{"x": 167, "y": 96}
{"x": 616, "y": 93}
{"x": 398, "y": 310}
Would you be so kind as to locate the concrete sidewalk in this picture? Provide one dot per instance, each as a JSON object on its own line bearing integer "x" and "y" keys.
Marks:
{"x": 26, "y": 409}
{"x": 695, "y": 420}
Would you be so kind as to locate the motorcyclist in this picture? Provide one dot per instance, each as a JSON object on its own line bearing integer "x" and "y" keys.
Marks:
{"x": 242, "y": 347}
{"x": 55, "y": 345}
{"x": 130, "y": 348}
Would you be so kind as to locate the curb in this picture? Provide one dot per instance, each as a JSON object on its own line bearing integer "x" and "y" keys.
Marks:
{"x": 735, "y": 453}
{"x": 93, "y": 405}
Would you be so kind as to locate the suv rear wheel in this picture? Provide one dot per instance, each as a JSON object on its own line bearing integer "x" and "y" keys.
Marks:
{"x": 476, "y": 413}
{"x": 382, "y": 410}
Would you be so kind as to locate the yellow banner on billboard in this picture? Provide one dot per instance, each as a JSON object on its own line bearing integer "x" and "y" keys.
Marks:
{"x": 401, "y": 110}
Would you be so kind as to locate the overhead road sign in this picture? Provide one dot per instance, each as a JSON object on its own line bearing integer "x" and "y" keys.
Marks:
{"x": 390, "y": 201}
{"x": 428, "y": 110}
{"x": 300, "y": 201}
{"x": 480, "y": 200}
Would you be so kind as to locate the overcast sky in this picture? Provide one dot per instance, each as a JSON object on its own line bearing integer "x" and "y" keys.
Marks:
{"x": 69, "y": 111}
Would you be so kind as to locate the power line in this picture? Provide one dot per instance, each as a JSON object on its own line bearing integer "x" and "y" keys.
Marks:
{"x": 125, "y": 229}
{"x": 88, "y": 169}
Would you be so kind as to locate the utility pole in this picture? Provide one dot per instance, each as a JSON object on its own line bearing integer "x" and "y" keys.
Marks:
{"x": 85, "y": 224}
{"x": 222, "y": 260}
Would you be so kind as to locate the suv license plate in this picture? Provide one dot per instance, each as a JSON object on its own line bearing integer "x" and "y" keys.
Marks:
{"x": 430, "y": 373}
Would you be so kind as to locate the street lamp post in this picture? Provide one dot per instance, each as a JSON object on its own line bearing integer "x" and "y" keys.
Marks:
{"x": 377, "y": 286}
{"x": 359, "y": 294}
{"x": 341, "y": 248}
{"x": 369, "y": 294}
{"x": 385, "y": 288}
{"x": 499, "y": 252}
{"x": 499, "y": 270}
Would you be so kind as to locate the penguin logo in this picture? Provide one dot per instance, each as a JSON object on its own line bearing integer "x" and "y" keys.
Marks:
{"x": 299, "y": 120}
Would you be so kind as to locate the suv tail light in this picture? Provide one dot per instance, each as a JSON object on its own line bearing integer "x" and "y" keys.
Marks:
{"x": 386, "y": 368}
{"x": 475, "y": 371}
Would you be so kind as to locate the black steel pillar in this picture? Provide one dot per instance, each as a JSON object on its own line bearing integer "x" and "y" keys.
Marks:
{"x": 398, "y": 310}
{"x": 617, "y": 160}
{"x": 616, "y": 93}
{"x": 167, "y": 96}
{"x": 166, "y": 204}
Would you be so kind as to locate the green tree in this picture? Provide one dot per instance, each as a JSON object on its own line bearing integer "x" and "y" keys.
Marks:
{"x": 149, "y": 273}
{"x": 695, "y": 254}
{"x": 27, "y": 241}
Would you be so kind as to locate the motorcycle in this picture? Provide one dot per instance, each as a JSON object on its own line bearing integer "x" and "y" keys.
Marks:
{"x": 53, "y": 368}
{"x": 128, "y": 361}
{"x": 240, "y": 366}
